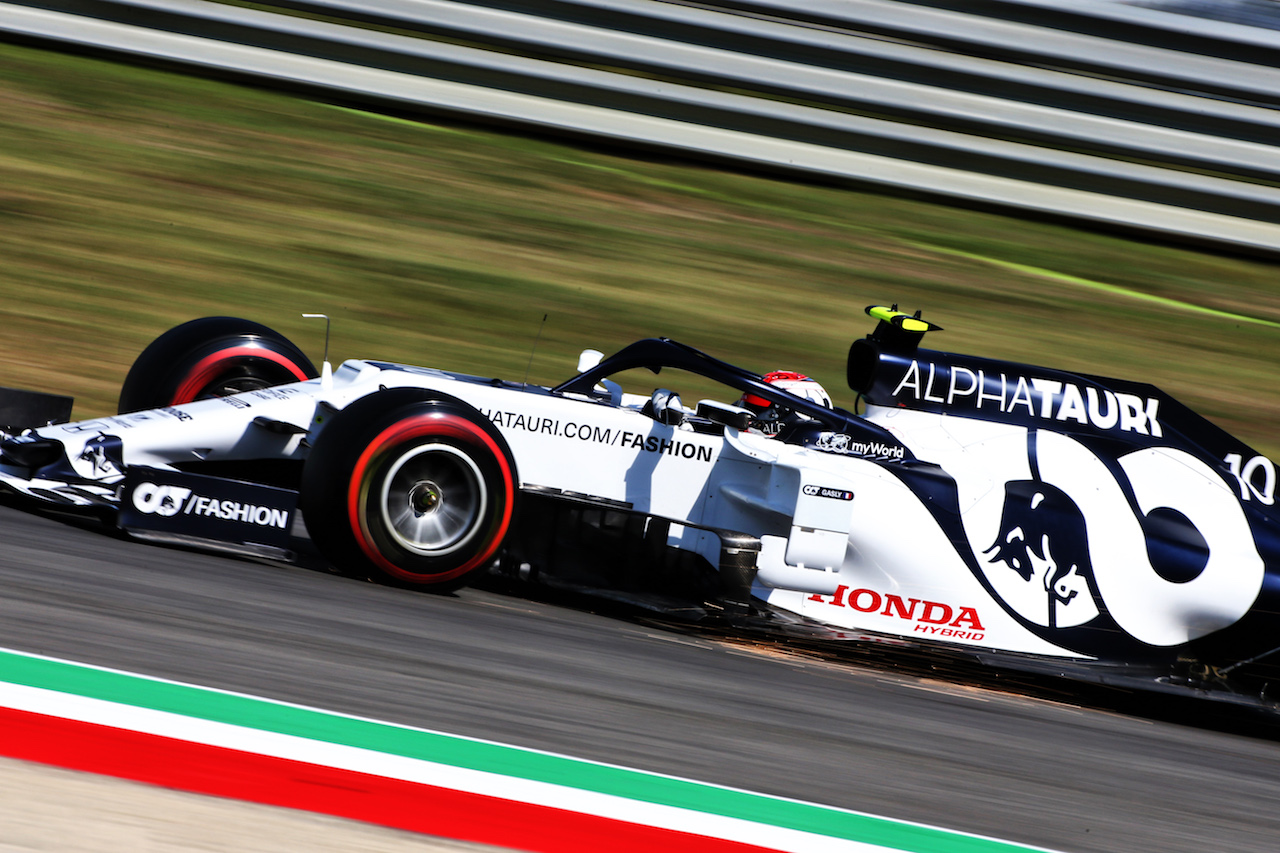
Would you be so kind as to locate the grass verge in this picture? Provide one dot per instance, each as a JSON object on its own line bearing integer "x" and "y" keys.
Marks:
{"x": 133, "y": 199}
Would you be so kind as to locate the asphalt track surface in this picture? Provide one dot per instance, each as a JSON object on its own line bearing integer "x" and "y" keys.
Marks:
{"x": 1110, "y": 776}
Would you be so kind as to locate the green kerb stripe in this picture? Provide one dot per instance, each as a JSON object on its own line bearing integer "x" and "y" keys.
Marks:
{"x": 270, "y": 716}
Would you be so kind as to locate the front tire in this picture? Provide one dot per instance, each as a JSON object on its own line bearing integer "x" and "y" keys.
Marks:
{"x": 211, "y": 357}
{"x": 410, "y": 486}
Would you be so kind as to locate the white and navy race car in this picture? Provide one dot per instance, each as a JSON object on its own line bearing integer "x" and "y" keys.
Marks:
{"x": 1015, "y": 513}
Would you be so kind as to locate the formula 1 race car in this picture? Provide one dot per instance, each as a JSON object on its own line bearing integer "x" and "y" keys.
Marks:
{"x": 1035, "y": 518}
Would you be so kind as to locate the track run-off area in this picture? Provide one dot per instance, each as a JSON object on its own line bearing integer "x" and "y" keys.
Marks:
{"x": 536, "y": 725}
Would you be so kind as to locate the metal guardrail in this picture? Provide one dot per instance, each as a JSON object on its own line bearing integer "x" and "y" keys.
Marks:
{"x": 1148, "y": 22}
{"x": 1085, "y": 36}
{"x": 769, "y": 91}
{"x": 827, "y": 81}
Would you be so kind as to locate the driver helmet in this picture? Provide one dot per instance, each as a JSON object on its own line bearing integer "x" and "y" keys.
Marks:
{"x": 788, "y": 380}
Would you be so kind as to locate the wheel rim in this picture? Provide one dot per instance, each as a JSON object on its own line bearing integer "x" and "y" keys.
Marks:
{"x": 432, "y": 500}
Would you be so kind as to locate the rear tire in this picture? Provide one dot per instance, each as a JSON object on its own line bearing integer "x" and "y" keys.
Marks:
{"x": 409, "y": 486}
{"x": 211, "y": 357}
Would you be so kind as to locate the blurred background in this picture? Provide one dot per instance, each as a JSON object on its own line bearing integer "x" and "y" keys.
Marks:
{"x": 1091, "y": 186}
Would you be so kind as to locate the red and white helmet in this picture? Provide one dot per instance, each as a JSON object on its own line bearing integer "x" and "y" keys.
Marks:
{"x": 791, "y": 382}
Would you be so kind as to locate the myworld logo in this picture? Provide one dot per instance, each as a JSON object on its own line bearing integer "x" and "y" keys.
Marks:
{"x": 168, "y": 501}
{"x": 838, "y": 442}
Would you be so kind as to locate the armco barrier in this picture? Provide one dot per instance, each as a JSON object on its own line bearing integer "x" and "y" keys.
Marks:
{"x": 771, "y": 93}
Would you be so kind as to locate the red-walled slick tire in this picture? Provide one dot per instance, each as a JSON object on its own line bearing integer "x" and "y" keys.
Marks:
{"x": 211, "y": 357}
{"x": 409, "y": 486}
